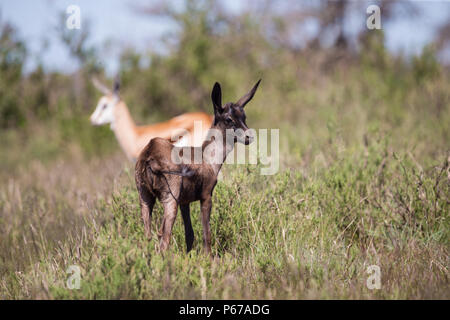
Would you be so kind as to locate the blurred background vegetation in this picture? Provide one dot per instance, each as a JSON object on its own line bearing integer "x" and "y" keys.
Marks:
{"x": 336, "y": 98}
{"x": 361, "y": 83}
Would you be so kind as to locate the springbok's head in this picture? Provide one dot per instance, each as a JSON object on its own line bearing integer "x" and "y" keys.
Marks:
{"x": 104, "y": 112}
{"x": 231, "y": 116}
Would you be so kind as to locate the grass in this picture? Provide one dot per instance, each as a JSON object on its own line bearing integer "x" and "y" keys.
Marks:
{"x": 299, "y": 234}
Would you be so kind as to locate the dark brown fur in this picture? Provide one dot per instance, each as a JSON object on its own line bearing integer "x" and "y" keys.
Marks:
{"x": 180, "y": 184}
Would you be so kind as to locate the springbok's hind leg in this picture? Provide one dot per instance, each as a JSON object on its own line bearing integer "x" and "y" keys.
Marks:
{"x": 188, "y": 231}
{"x": 170, "y": 213}
{"x": 146, "y": 201}
{"x": 205, "y": 206}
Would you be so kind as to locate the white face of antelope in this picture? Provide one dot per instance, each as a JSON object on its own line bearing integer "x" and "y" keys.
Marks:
{"x": 104, "y": 112}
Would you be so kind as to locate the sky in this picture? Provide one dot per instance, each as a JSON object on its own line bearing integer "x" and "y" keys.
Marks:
{"x": 119, "y": 22}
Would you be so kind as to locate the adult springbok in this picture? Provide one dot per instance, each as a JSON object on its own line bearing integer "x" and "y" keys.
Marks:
{"x": 112, "y": 110}
{"x": 177, "y": 177}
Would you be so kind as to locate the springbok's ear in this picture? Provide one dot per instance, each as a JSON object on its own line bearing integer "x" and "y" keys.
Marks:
{"x": 246, "y": 98}
{"x": 216, "y": 97}
{"x": 116, "y": 87}
{"x": 100, "y": 86}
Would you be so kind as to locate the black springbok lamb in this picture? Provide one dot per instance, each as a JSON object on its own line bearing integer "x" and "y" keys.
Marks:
{"x": 178, "y": 176}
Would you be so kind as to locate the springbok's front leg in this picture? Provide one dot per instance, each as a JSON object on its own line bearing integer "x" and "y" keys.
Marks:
{"x": 170, "y": 213}
{"x": 146, "y": 201}
{"x": 188, "y": 231}
{"x": 206, "y": 213}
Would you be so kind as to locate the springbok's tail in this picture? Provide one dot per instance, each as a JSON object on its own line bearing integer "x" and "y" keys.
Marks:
{"x": 185, "y": 172}
{"x": 156, "y": 168}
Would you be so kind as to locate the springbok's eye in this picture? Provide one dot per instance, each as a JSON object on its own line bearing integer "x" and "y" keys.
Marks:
{"x": 104, "y": 106}
{"x": 229, "y": 120}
